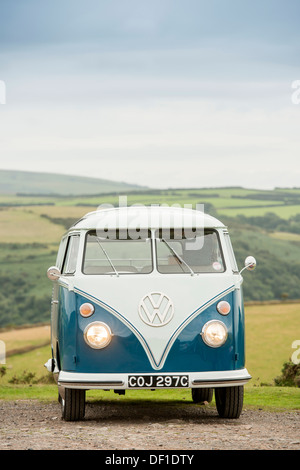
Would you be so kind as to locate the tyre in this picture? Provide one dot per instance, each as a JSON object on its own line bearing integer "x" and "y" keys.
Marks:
{"x": 229, "y": 401}
{"x": 200, "y": 395}
{"x": 73, "y": 405}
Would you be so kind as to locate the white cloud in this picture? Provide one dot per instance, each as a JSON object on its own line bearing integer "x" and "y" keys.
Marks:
{"x": 157, "y": 143}
{"x": 153, "y": 96}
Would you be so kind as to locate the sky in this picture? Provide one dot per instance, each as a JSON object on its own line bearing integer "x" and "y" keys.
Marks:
{"x": 166, "y": 93}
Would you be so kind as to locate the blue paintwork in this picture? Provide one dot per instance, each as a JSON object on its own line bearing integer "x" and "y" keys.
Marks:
{"x": 68, "y": 320}
{"x": 125, "y": 354}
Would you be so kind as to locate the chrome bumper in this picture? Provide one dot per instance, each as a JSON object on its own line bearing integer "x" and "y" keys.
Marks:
{"x": 120, "y": 381}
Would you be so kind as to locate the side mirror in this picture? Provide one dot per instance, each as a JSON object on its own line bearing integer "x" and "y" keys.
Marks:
{"x": 250, "y": 264}
{"x": 53, "y": 273}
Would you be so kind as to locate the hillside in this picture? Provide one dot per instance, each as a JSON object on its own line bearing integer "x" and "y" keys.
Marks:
{"x": 27, "y": 182}
{"x": 265, "y": 224}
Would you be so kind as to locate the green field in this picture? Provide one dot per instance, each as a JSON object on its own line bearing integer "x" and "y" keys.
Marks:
{"x": 270, "y": 332}
{"x": 263, "y": 398}
{"x": 31, "y": 227}
{"x": 285, "y": 212}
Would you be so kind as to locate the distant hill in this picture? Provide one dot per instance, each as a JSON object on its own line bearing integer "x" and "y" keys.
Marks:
{"x": 27, "y": 182}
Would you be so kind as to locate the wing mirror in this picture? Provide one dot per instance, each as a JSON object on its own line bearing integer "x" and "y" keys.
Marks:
{"x": 250, "y": 264}
{"x": 53, "y": 273}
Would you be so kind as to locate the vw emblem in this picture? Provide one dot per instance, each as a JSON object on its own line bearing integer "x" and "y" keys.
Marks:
{"x": 156, "y": 309}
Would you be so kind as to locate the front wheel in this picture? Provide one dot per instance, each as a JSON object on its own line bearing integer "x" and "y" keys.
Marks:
{"x": 73, "y": 405}
{"x": 229, "y": 401}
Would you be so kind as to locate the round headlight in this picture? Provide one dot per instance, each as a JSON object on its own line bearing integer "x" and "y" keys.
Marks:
{"x": 97, "y": 335}
{"x": 214, "y": 333}
{"x": 86, "y": 310}
{"x": 223, "y": 307}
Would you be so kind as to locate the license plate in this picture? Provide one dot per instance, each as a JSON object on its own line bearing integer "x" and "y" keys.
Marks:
{"x": 153, "y": 381}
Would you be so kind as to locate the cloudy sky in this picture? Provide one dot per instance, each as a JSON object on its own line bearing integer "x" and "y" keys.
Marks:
{"x": 164, "y": 93}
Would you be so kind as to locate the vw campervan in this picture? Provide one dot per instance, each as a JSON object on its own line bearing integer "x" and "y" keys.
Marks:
{"x": 148, "y": 298}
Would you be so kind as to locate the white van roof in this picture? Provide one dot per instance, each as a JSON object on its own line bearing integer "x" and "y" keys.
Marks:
{"x": 147, "y": 217}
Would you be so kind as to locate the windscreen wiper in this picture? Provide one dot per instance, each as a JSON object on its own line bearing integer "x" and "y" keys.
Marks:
{"x": 108, "y": 258}
{"x": 177, "y": 256}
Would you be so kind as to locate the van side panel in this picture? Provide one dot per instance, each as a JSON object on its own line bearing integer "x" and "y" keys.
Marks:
{"x": 67, "y": 329}
{"x": 239, "y": 327}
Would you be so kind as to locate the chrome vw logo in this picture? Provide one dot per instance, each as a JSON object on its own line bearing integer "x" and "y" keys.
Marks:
{"x": 156, "y": 309}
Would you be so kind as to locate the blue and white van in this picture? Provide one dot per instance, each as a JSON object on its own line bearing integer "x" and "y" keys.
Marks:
{"x": 148, "y": 298}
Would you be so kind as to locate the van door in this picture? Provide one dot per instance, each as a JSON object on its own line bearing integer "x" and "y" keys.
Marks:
{"x": 54, "y": 299}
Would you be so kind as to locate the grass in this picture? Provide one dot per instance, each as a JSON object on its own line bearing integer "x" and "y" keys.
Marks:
{"x": 272, "y": 398}
{"x": 25, "y": 337}
{"x": 44, "y": 393}
{"x": 32, "y": 361}
{"x": 282, "y": 247}
{"x": 62, "y": 211}
{"x": 283, "y": 211}
{"x": 220, "y": 197}
{"x": 270, "y": 332}
{"x": 264, "y": 398}
{"x": 268, "y": 398}
{"x": 28, "y": 262}
{"x": 286, "y": 236}
{"x": 21, "y": 225}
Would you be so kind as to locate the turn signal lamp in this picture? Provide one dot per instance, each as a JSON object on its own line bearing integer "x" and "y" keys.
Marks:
{"x": 223, "y": 307}
{"x": 86, "y": 310}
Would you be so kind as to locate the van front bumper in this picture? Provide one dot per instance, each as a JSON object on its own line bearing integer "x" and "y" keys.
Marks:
{"x": 153, "y": 381}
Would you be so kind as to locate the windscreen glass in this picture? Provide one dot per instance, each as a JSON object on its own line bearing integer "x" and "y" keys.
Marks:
{"x": 178, "y": 253}
{"x": 117, "y": 255}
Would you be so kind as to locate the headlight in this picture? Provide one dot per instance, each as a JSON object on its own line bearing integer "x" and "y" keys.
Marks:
{"x": 86, "y": 310}
{"x": 214, "y": 333}
{"x": 223, "y": 307}
{"x": 97, "y": 335}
